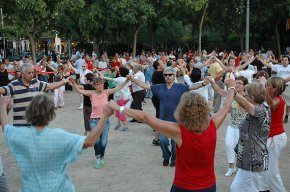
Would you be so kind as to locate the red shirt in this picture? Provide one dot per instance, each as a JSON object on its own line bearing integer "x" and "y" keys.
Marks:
{"x": 195, "y": 159}
{"x": 115, "y": 63}
{"x": 276, "y": 126}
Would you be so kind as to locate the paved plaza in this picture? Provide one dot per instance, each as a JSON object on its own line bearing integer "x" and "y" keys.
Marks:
{"x": 132, "y": 163}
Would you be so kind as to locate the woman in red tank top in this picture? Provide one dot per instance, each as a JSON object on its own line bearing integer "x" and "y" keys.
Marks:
{"x": 277, "y": 137}
{"x": 195, "y": 137}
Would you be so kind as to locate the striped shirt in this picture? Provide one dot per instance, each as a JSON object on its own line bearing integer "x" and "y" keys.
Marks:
{"x": 22, "y": 96}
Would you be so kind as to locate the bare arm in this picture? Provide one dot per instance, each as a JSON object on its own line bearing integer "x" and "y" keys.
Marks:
{"x": 140, "y": 83}
{"x": 264, "y": 62}
{"x": 221, "y": 63}
{"x": 198, "y": 85}
{"x": 81, "y": 91}
{"x": 4, "y": 117}
{"x": 241, "y": 67}
{"x": 287, "y": 79}
{"x": 220, "y": 116}
{"x": 2, "y": 90}
{"x": 119, "y": 87}
{"x": 273, "y": 103}
{"x": 244, "y": 103}
{"x": 56, "y": 85}
{"x": 216, "y": 88}
{"x": 169, "y": 129}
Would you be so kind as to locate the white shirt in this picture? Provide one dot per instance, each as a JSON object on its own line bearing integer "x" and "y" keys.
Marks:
{"x": 247, "y": 74}
{"x": 203, "y": 90}
{"x": 124, "y": 93}
{"x": 79, "y": 63}
{"x": 102, "y": 64}
{"x": 9, "y": 66}
{"x": 282, "y": 71}
{"x": 82, "y": 75}
{"x": 141, "y": 77}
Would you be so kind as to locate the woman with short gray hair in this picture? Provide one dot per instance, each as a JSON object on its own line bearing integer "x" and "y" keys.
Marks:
{"x": 43, "y": 153}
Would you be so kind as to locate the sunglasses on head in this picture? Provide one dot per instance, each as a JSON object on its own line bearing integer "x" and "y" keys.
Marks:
{"x": 168, "y": 75}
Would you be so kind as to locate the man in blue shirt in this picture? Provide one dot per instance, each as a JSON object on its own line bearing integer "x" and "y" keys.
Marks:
{"x": 169, "y": 94}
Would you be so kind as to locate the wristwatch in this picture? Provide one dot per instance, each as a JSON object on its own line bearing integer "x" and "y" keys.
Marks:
{"x": 121, "y": 109}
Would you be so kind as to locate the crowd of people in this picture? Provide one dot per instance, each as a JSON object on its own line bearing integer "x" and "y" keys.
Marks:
{"x": 252, "y": 86}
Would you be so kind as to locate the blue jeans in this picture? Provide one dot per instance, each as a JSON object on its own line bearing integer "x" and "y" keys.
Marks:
{"x": 166, "y": 154}
{"x": 101, "y": 143}
{"x": 177, "y": 189}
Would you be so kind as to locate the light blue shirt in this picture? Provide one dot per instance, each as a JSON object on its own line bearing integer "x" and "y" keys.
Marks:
{"x": 43, "y": 156}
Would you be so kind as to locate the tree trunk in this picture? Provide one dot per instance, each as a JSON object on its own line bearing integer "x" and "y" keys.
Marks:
{"x": 200, "y": 28}
{"x": 193, "y": 34}
{"x": 152, "y": 41}
{"x": 135, "y": 39}
{"x": 69, "y": 47}
{"x": 278, "y": 38}
{"x": 96, "y": 46}
{"x": 242, "y": 41}
{"x": 32, "y": 44}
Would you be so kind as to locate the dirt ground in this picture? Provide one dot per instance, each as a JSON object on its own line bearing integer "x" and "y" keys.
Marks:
{"x": 132, "y": 163}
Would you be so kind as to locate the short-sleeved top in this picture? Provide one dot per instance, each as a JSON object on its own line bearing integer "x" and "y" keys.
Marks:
{"x": 124, "y": 93}
{"x": 248, "y": 73}
{"x": 282, "y": 71}
{"x": 98, "y": 103}
{"x": 141, "y": 77}
{"x": 87, "y": 100}
{"x": 202, "y": 90}
{"x": 277, "y": 115}
{"x": 169, "y": 98}
{"x": 252, "y": 154}
{"x": 237, "y": 115}
{"x": 43, "y": 156}
{"x": 22, "y": 96}
{"x": 195, "y": 159}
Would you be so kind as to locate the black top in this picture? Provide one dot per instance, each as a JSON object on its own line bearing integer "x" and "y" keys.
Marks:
{"x": 4, "y": 80}
{"x": 87, "y": 100}
{"x": 157, "y": 77}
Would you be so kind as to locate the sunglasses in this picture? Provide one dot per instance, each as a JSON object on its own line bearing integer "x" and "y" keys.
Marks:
{"x": 168, "y": 75}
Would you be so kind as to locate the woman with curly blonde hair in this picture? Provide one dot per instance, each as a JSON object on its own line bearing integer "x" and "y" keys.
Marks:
{"x": 195, "y": 137}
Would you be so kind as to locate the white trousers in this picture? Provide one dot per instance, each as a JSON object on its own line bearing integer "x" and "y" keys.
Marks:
{"x": 231, "y": 140}
{"x": 246, "y": 181}
{"x": 272, "y": 179}
{"x": 58, "y": 97}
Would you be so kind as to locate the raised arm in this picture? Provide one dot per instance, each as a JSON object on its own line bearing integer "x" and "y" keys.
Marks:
{"x": 220, "y": 116}
{"x": 168, "y": 129}
{"x": 264, "y": 62}
{"x": 244, "y": 103}
{"x": 81, "y": 91}
{"x": 119, "y": 87}
{"x": 221, "y": 63}
{"x": 140, "y": 83}
{"x": 241, "y": 67}
{"x": 216, "y": 88}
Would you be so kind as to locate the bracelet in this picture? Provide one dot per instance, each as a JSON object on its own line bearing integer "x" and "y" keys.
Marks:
{"x": 235, "y": 91}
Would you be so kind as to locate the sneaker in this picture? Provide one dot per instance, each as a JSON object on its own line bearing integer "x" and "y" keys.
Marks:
{"x": 155, "y": 142}
{"x": 165, "y": 162}
{"x": 117, "y": 127}
{"x": 99, "y": 163}
{"x": 124, "y": 129}
{"x": 230, "y": 172}
{"x": 81, "y": 107}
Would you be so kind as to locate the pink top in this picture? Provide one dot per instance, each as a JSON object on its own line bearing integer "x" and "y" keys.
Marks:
{"x": 98, "y": 103}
